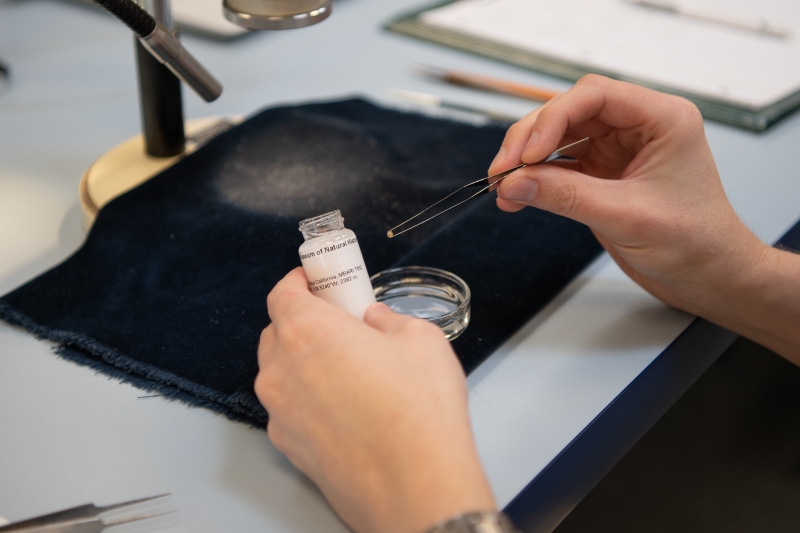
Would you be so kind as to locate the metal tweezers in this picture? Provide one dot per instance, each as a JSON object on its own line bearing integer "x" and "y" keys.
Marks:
{"x": 81, "y": 519}
{"x": 487, "y": 183}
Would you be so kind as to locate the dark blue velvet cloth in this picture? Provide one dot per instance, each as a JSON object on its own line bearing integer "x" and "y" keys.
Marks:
{"x": 168, "y": 292}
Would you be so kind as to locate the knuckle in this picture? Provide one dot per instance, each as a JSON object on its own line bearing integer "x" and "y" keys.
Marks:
{"x": 693, "y": 115}
{"x": 276, "y": 436}
{"x": 685, "y": 111}
{"x": 515, "y": 130}
{"x": 266, "y": 335}
{"x": 282, "y": 298}
{"x": 273, "y": 294}
{"x": 687, "y": 106}
{"x": 594, "y": 79}
{"x": 266, "y": 346}
{"x": 266, "y": 389}
{"x": 563, "y": 198}
{"x": 293, "y": 337}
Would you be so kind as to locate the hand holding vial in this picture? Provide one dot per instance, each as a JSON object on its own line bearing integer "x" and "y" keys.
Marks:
{"x": 374, "y": 412}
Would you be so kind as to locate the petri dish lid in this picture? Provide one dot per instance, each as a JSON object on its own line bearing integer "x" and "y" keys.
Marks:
{"x": 433, "y": 294}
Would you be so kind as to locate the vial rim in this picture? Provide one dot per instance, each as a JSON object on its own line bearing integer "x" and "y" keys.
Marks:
{"x": 331, "y": 217}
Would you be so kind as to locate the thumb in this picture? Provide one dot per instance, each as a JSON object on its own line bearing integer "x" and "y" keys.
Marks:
{"x": 381, "y": 317}
{"x": 596, "y": 202}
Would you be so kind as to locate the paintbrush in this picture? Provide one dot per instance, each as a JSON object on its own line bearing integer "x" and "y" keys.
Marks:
{"x": 478, "y": 81}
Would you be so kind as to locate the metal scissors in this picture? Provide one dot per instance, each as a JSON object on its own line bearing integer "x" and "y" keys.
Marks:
{"x": 82, "y": 519}
{"x": 487, "y": 184}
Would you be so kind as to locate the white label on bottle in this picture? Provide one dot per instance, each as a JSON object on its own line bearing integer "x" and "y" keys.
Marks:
{"x": 335, "y": 270}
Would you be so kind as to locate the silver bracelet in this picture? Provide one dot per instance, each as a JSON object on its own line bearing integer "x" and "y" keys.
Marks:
{"x": 476, "y": 523}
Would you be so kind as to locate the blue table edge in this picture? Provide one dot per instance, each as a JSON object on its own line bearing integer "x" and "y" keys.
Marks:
{"x": 574, "y": 472}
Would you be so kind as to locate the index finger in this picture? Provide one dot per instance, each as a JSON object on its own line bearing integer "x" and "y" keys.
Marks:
{"x": 595, "y": 104}
{"x": 514, "y": 142}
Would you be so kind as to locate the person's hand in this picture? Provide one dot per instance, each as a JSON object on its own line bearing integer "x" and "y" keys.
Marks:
{"x": 659, "y": 209}
{"x": 374, "y": 412}
{"x": 648, "y": 187}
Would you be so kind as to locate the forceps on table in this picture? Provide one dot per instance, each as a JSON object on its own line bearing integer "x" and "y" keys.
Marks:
{"x": 487, "y": 183}
{"x": 81, "y": 519}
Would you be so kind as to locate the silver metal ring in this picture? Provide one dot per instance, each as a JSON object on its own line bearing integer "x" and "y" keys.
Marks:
{"x": 280, "y": 22}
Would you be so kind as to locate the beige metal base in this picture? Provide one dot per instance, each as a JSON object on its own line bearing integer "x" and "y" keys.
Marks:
{"x": 127, "y": 165}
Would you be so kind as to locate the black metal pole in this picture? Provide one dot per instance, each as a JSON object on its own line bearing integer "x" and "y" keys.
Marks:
{"x": 161, "y": 106}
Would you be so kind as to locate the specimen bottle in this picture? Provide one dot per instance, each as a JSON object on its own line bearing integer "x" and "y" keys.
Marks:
{"x": 334, "y": 265}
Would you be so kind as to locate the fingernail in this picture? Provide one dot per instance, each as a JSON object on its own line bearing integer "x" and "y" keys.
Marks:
{"x": 383, "y": 308}
{"x": 499, "y": 158}
{"x": 522, "y": 191}
{"x": 532, "y": 142}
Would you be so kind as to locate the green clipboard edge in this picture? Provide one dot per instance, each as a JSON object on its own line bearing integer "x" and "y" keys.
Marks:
{"x": 753, "y": 119}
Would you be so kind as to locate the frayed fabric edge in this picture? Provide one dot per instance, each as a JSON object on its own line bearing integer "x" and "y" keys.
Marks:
{"x": 86, "y": 351}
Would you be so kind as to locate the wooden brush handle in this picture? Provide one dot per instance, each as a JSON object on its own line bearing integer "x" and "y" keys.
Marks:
{"x": 501, "y": 86}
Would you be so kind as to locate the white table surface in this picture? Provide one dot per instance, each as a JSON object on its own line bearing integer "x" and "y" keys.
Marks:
{"x": 69, "y": 436}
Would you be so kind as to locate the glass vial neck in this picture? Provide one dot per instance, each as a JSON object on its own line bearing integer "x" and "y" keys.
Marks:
{"x": 312, "y": 228}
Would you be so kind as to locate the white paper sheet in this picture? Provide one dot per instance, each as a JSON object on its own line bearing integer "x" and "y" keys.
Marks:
{"x": 708, "y": 59}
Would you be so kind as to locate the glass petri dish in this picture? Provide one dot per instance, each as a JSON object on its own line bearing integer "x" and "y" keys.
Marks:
{"x": 433, "y": 294}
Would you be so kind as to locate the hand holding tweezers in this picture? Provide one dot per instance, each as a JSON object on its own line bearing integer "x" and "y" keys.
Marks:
{"x": 487, "y": 184}
{"x": 81, "y": 519}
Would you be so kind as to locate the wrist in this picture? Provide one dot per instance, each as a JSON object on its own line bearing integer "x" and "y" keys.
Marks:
{"x": 732, "y": 263}
{"x": 434, "y": 489}
{"x": 762, "y": 302}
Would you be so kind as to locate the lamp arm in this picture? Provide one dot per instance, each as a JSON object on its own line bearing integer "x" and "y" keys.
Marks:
{"x": 132, "y": 14}
{"x": 165, "y": 47}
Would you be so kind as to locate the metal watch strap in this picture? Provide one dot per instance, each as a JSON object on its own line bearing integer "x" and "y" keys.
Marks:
{"x": 476, "y": 523}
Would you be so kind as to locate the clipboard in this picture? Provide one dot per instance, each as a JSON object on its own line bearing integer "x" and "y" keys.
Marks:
{"x": 752, "y": 115}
